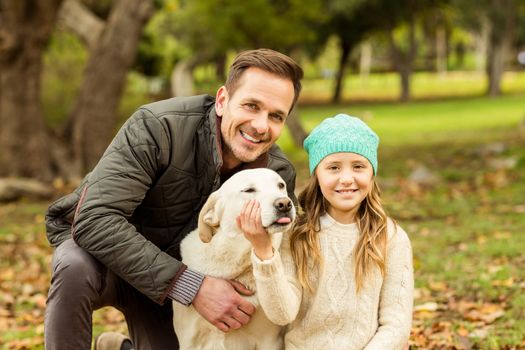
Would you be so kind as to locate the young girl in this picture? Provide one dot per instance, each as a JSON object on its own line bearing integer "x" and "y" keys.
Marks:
{"x": 344, "y": 277}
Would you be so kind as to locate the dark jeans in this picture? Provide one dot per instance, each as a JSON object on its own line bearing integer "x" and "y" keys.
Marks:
{"x": 80, "y": 284}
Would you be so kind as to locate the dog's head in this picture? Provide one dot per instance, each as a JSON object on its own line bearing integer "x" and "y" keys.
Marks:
{"x": 224, "y": 205}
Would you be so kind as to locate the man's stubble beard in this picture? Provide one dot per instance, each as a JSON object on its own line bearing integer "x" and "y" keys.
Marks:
{"x": 240, "y": 155}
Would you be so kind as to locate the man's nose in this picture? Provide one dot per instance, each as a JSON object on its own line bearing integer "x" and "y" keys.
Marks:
{"x": 260, "y": 123}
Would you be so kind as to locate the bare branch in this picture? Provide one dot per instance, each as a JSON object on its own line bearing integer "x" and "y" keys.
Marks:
{"x": 81, "y": 21}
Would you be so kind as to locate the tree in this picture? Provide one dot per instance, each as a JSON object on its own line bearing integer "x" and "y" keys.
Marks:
{"x": 499, "y": 19}
{"x": 212, "y": 29}
{"x": 23, "y": 137}
{"x": 412, "y": 19}
{"x": 403, "y": 59}
{"x": 502, "y": 17}
{"x": 26, "y": 148}
{"x": 93, "y": 119}
{"x": 342, "y": 22}
{"x": 353, "y": 21}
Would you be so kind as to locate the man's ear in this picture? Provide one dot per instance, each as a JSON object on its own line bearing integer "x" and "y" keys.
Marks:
{"x": 209, "y": 218}
{"x": 221, "y": 99}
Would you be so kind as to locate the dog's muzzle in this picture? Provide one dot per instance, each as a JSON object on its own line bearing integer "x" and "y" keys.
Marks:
{"x": 283, "y": 207}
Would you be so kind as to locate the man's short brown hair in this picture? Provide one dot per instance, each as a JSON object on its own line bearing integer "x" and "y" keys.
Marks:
{"x": 269, "y": 61}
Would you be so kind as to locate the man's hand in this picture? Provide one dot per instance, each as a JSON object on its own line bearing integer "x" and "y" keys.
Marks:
{"x": 249, "y": 221}
{"x": 219, "y": 302}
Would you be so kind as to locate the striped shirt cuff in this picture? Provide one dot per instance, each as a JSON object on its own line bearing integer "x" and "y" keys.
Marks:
{"x": 186, "y": 287}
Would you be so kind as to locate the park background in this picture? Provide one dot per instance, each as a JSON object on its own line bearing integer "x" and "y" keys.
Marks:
{"x": 441, "y": 81}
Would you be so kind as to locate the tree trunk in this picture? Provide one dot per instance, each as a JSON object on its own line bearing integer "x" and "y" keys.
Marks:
{"x": 365, "y": 61}
{"x": 404, "y": 75}
{"x": 481, "y": 45}
{"x": 23, "y": 140}
{"x": 296, "y": 129}
{"x": 182, "y": 78}
{"x": 294, "y": 121}
{"x": 503, "y": 19}
{"x": 403, "y": 61}
{"x": 495, "y": 68}
{"x": 441, "y": 51}
{"x": 95, "y": 112}
{"x": 79, "y": 19}
{"x": 346, "y": 49}
{"x": 220, "y": 67}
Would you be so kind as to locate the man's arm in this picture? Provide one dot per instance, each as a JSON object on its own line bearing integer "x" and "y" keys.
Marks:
{"x": 116, "y": 186}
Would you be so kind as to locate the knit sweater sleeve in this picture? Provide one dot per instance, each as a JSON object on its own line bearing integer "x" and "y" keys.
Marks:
{"x": 396, "y": 298}
{"x": 278, "y": 289}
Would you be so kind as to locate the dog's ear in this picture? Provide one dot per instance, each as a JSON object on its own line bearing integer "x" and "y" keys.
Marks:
{"x": 209, "y": 218}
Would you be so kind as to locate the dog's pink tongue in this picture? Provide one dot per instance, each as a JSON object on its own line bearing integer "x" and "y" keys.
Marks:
{"x": 284, "y": 220}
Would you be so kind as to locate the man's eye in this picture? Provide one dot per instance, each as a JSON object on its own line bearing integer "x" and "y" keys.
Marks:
{"x": 249, "y": 190}
{"x": 252, "y": 106}
{"x": 277, "y": 117}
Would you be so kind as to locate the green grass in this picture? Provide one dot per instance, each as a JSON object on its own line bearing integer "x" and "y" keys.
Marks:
{"x": 400, "y": 124}
{"x": 424, "y": 85}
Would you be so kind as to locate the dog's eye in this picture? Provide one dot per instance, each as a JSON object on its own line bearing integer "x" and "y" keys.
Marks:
{"x": 249, "y": 190}
{"x": 281, "y": 185}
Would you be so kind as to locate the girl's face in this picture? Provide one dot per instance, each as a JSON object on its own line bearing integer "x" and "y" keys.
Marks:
{"x": 345, "y": 180}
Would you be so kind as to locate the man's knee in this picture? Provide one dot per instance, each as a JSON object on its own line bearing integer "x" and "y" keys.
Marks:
{"x": 75, "y": 271}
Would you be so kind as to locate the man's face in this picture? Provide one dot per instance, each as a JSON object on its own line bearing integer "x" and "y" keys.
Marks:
{"x": 253, "y": 117}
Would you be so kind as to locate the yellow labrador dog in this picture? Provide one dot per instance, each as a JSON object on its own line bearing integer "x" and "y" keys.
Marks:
{"x": 218, "y": 248}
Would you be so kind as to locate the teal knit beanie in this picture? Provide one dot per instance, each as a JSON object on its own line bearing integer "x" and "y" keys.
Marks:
{"x": 341, "y": 133}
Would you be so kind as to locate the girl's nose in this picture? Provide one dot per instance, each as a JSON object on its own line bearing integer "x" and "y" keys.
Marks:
{"x": 346, "y": 177}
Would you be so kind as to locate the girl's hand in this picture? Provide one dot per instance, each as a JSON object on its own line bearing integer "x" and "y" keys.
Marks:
{"x": 249, "y": 221}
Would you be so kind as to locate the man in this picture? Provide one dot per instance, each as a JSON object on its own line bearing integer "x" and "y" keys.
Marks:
{"x": 117, "y": 235}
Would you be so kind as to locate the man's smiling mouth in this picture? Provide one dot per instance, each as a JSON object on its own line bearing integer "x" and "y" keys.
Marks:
{"x": 249, "y": 138}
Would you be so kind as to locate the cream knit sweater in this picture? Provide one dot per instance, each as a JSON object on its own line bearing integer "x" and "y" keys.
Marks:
{"x": 335, "y": 317}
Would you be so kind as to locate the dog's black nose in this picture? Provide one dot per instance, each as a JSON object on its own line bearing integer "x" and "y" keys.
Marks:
{"x": 283, "y": 204}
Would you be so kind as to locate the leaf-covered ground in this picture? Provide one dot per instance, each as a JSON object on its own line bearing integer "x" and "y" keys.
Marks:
{"x": 463, "y": 205}
{"x": 467, "y": 235}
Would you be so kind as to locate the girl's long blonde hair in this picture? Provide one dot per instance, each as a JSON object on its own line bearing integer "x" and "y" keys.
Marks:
{"x": 370, "y": 249}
